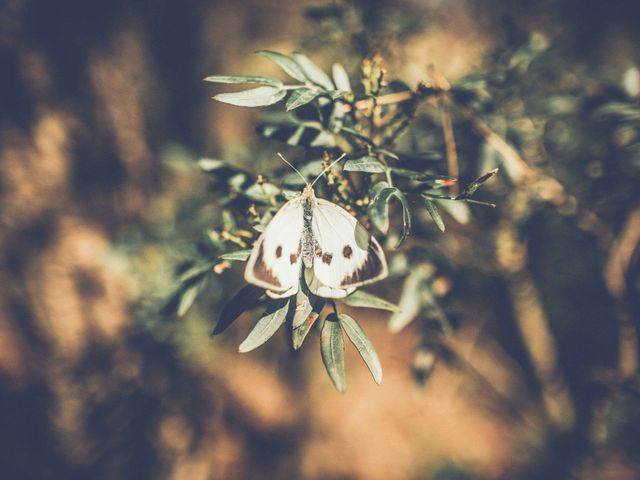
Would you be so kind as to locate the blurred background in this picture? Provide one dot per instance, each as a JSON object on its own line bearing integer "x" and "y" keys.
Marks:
{"x": 103, "y": 116}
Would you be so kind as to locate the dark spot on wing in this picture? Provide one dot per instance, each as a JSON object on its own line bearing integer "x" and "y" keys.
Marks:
{"x": 261, "y": 272}
{"x": 279, "y": 251}
{"x": 318, "y": 250}
{"x": 326, "y": 258}
{"x": 293, "y": 258}
{"x": 371, "y": 268}
{"x": 347, "y": 251}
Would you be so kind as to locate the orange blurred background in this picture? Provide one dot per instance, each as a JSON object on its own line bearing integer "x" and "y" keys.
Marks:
{"x": 103, "y": 114}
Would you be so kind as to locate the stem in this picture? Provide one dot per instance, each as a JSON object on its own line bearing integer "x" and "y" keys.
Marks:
{"x": 335, "y": 308}
{"x": 388, "y": 99}
{"x": 387, "y": 173}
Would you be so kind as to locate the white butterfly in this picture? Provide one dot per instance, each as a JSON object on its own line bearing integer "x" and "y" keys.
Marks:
{"x": 318, "y": 239}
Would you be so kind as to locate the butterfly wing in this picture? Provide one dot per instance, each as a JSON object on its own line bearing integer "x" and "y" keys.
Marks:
{"x": 346, "y": 255}
{"x": 274, "y": 263}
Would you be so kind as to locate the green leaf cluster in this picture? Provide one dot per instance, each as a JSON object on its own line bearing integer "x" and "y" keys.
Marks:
{"x": 301, "y": 312}
{"x": 313, "y": 83}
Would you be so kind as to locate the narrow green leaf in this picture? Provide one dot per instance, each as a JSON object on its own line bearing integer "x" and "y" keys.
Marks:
{"x": 406, "y": 217}
{"x": 313, "y": 72}
{"x": 340, "y": 77}
{"x": 243, "y": 80}
{"x": 410, "y": 174}
{"x": 332, "y": 351}
{"x": 285, "y": 62}
{"x": 236, "y": 181}
{"x": 411, "y": 299}
{"x": 364, "y": 164}
{"x": 377, "y": 187}
{"x": 297, "y": 136}
{"x": 301, "y": 97}
{"x": 189, "y": 295}
{"x": 433, "y": 211}
{"x": 360, "y": 298}
{"x": 473, "y": 186}
{"x": 378, "y": 209}
{"x": 195, "y": 271}
{"x": 433, "y": 310}
{"x": 242, "y": 301}
{"x": 272, "y": 319}
{"x": 424, "y": 362}
{"x": 239, "y": 255}
{"x": 458, "y": 210}
{"x": 308, "y": 133}
{"x": 256, "y": 97}
{"x": 307, "y": 311}
{"x": 210, "y": 164}
{"x": 363, "y": 345}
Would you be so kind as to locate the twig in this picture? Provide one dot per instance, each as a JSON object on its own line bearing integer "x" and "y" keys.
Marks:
{"x": 533, "y": 326}
{"x": 388, "y": 99}
{"x": 616, "y": 269}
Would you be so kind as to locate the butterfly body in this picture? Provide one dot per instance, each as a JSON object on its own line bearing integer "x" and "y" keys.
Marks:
{"x": 320, "y": 240}
{"x": 308, "y": 243}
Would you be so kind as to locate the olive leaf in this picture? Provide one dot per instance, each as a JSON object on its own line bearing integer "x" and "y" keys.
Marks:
{"x": 211, "y": 164}
{"x": 364, "y": 346}
{"x": 378, "y": 209}
{"x": 301, "y": 97}
{"x": 411, "y": 298}
{"x": 288, "y": 64}
{"x": 188, "y": 296}
{"x": 313, "y": 72}
{"x": 245, "y": 299}
{"x": 332, "y": 351}
{"x": 473, "y": 186}
{"x": 243, "y": 80}
{"x": 307, "y": 310}
{"x": 238, "y": 255}
{"x": 199, "y": 269}
{"x": 364, "y": 164}
{"x": 360, "y": 298}
{"x": 433, "y": 211}
{"x": 255, "y": 97}
{"x": 272, "y": 319}
{"x": 340, "y": 77}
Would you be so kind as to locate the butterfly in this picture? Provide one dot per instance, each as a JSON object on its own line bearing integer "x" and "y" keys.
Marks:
{"x": 316, "y": 241}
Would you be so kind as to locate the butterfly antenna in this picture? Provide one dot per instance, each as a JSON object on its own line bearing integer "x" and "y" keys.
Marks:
{"x": 328, "y": 168}
{"x": 297, "y": 171}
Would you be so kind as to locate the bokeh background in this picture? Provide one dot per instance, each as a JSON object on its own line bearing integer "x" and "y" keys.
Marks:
{"x": 103, "y": 116}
